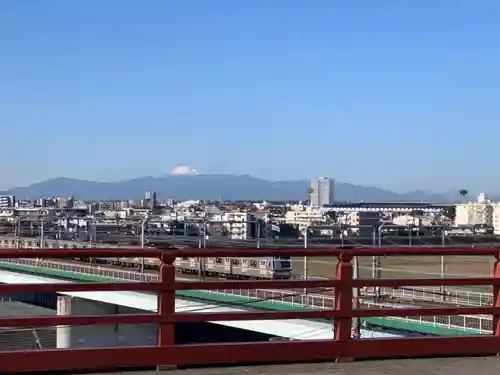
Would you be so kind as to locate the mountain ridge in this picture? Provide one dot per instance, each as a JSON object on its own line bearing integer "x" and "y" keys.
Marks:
{"x": 210, "y": 187}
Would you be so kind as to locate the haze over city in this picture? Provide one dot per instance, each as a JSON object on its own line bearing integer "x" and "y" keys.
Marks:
{"x": 400, "y": 95}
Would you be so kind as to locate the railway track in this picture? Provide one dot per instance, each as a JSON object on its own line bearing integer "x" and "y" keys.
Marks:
{"x": 410, "y": 296}
{"x": 318, "y": 297}
{"x": 313, "y": 298}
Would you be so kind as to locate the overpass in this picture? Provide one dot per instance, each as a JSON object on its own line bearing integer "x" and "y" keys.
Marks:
{"x": 459, "y": 297}
{"x": 342, "y": 347}
{"x": 295, "y": 329}
{"x": 263, "y": 299}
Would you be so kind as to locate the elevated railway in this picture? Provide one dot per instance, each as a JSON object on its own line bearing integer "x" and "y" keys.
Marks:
{"x": 404, "y": 296}
{"x": 315, "y": 297}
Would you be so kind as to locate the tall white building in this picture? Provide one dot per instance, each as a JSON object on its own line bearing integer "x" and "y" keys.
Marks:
{"x": 322, "y": 192}
{"x": 475, "y": 213}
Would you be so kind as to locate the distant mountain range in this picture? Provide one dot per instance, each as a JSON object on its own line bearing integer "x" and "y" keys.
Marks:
{"x": 211, "y": 187}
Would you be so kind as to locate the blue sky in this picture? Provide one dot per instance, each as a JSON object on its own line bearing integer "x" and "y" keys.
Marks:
{"x": 397, "y": 94}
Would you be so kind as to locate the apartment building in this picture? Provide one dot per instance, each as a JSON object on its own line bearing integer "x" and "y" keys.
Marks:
{"x": 238, "y": 225}
{"x": 361, "y": 223}
{"x": 406, "y": 220}
{"x": 7, "y": 201}
{"x": 480, "y": 212}
{"x": 303, "y": 217}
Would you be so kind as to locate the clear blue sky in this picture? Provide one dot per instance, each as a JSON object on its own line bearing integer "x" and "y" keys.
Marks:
{"x": 400, "y": 94}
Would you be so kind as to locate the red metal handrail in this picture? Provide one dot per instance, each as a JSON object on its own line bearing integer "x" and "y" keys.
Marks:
{"x": 166, "y": 353}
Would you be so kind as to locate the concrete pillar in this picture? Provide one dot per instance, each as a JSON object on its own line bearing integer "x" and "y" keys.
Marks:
{"x": 63, "y": 332}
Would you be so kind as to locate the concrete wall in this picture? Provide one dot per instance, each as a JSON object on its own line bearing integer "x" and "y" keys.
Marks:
{"x": 100, "y": 335}
{"x": 47, "y": 300}
{"x": 138, "y": 334}
{"x": 124, "y": 334}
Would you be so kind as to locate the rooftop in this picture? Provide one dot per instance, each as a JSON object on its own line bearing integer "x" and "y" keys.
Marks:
{"x": 415, "y": 205}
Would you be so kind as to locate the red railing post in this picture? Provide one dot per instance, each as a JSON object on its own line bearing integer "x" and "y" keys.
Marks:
{"x": 343, "y": 300}
{"x": 166, "y": 302}
{"x": 496, "y": 297}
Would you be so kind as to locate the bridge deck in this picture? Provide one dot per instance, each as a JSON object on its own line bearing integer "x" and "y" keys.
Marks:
{"x": 431, "y": 366}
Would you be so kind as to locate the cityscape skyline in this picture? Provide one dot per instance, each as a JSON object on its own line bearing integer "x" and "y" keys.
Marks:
{"x": 189, "y": 185}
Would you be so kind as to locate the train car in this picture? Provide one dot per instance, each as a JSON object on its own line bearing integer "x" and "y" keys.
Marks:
{"x": 231, "y": 268}
{"x": 238, "y": 268}
{"x": 149, "y": 263}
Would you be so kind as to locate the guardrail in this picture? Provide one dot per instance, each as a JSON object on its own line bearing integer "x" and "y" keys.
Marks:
{"x": 480, "y": 324}
{"x": 457, "y": 297}
{"x": 454, "y": 296}
{"x": 167, "y": 353}
{"x": 83, "y": 269}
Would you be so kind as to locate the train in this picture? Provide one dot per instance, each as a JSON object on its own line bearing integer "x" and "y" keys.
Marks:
{"x": 266, "y": 268}
{"x": 269, "y": 268}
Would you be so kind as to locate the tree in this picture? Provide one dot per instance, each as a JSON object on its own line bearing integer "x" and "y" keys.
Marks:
{"x": 463, "y": 193}
{"x": 310, "y": 191}
{"x": 450, "y": 212}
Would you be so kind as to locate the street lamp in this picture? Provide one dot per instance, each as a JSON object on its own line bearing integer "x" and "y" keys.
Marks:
{"x": 306, "y": 260}
{"x": 143, "y": 240}
{"x": 17, "y": 230}
{"x": 90, "y": 231}
{"x": 356, "y": 322}
{"x": 376, "y": 259}
{"x": 376, "y": 266}
{"x": 42, "y": 232}
{"x": 442, "y": 290}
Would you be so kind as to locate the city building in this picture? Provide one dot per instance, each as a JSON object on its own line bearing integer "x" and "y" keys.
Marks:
{"x": 7, "y": 201}
{"x": 150, "y": 200}
{"x": 406, "y": 220}
{"x": 65, "y": 202}
{"x": 238, "y": 225}
{"x": 304, "y": 217}
{"x": 361, "y": 223}
{"x": 388, "y": 207}
{"x": 321, "y": 192}
{"x": 480, "y": 212}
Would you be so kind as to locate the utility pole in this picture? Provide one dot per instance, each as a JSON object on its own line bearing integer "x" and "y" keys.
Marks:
{"x": 376, "y": 263}
{"x": 92, "y": 233}
{"x": 356, "y": 322}
{"x": 258, "y": 234}
{"x": 442, "y": 289}
{"x": 17, "y": 231}
{"x": 306, "y": 260}
{"x": 410, "y": 233}
{"x": 42, "y": 233}
{"x": 374, "y": 258}
{"x": 204, "y": 233}
{"x": 143, "y": 241}
{"x": 202, "y": 244}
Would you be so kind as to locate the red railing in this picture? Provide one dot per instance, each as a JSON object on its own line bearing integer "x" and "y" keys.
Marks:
{"x": 167, "y": 353}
